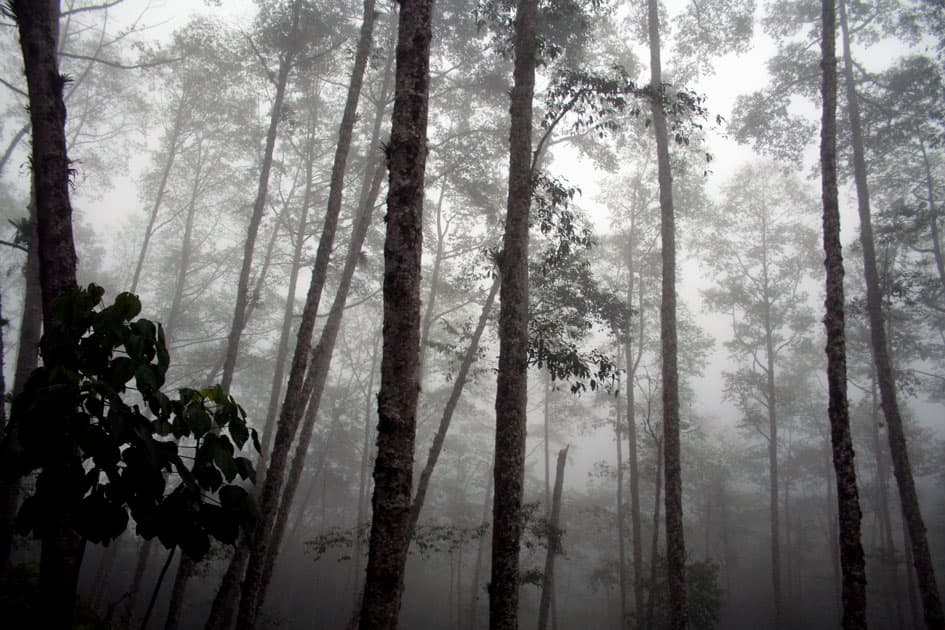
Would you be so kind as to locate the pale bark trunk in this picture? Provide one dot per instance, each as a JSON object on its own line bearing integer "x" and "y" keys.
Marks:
{"x": 621, "y": 526}
{"x": 654, "y": 545}
{"x": 477, "y": 567}
{"x": 400, "y": 358}
{"x": 675, "y": 544}
{"x": 173, "y": 140}
{"x": 633, "y": 363}
{"x": 554, "y": 533}
{"x": 293, "y": 406}
{"x": 912, "y": 515}
{"x": 285, "y": 335}
{"x": 286, "y": 64}
{"x": 511, "y": 387}
{"x": 366, "y": 449}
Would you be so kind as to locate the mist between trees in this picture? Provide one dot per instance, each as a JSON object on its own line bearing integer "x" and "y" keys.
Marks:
{"x": 459, "y": 315}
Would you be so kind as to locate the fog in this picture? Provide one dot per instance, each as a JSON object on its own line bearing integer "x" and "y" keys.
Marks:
{"x": 205, "y": 173}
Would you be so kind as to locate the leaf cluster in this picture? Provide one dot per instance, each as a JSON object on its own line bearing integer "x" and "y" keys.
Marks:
{"x": 97, "y": 401}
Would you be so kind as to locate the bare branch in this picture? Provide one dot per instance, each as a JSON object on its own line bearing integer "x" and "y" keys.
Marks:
{"x": 93, "y": 7}
{"x": 118, "y": 64}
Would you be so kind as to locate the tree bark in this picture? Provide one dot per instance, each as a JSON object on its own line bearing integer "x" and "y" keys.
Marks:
{"x": 400, "y": 357}
{"x": 621, "y": 525}
{"x": 512, "y": 381}
{"x": 912, "y": 515}
{"x": 62, "y": 547}
{"x": 554, "y": 543}
{"x": 633, "y": 363}
{"x": 675, "y": 544}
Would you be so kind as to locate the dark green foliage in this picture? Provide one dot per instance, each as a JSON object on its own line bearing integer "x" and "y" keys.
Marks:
{"x": 566, "y": 301}
{"x": 100, "y": 388}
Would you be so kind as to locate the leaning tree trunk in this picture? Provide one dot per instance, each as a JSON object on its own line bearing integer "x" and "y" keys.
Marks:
{"x": 554, "y": 544}
{"x": 458, "y": 384}
{"x": 62, "y": 547}
{"x": 259, "y": 204}
{"x": 912, "y": 515}
{"x": 294, "y": 404}
{"x": 675, "y": 544}
{"x": 512, "y": 382}
{"x": 400, "y": 357}
{"x": 314, "y": 386}
{"x": 852, "y": 561}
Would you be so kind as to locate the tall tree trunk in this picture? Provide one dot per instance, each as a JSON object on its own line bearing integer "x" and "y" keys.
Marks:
{"x": 400, "y": 358}
{"x": 137, "y": 578}
{"x": 62, "y": 547}
{"x": 890, "y": 565}
{"x": 654, "y": 545}
{"x": 175, "y": 607}
{"x": 286, "y": 63}
{"x": 512, "y": 382}
{"x": 477, "y": 567}
{"x": 186, "y": 249}
{"x": 852, "y": 560}
{"x": 773, "y": 481}
{"x": 912, "y": 515}
{"x": 458, "y": 384}
{"x": 675, "y": 544}
{"x": 554, "y": 543}
{"x": 621, "y": 526}
{"x": 633, "y": 363}
{"x": 366, "y": 449}
{"x": 294, "y": 404}
{"x": 285, "y": 335}
{"x": 173, "y": 140}
{"x": 27, "y": 357}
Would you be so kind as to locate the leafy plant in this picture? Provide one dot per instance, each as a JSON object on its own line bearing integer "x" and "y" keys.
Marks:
{"x": 99, "y": 391}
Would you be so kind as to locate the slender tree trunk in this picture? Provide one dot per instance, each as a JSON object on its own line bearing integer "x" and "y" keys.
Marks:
{"x": 852, "y": 560}
{"x": 144, "y": 554}
{"x": 356, "y": 582}
{"x": 912, "y": 515}
{"x": 62, "y": 547}
{"x": 654, "y": 545}
{"x": 675, "y": 544}
{"x": 512, "y": 382}
{"x": 400, "y": 358}
{"x": 633, "y": 363}
{"x": 175, "y": 607}
{"x": 773, "y": 481}
{"x": 285, "y": 335}
{"x": 621, "y": 526}
{"x": 293, "y": 406}
{"x": 458, "y": 384}
{"x": 554, "y": 543}
{"x": 173, "y": 140}
{"x": 157, "y": 588}
{"x": 186, "y": 249}
{"x": 882, "y": 498}
{"x": 477, "y": 567}
{"x": 286, "y": 64}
